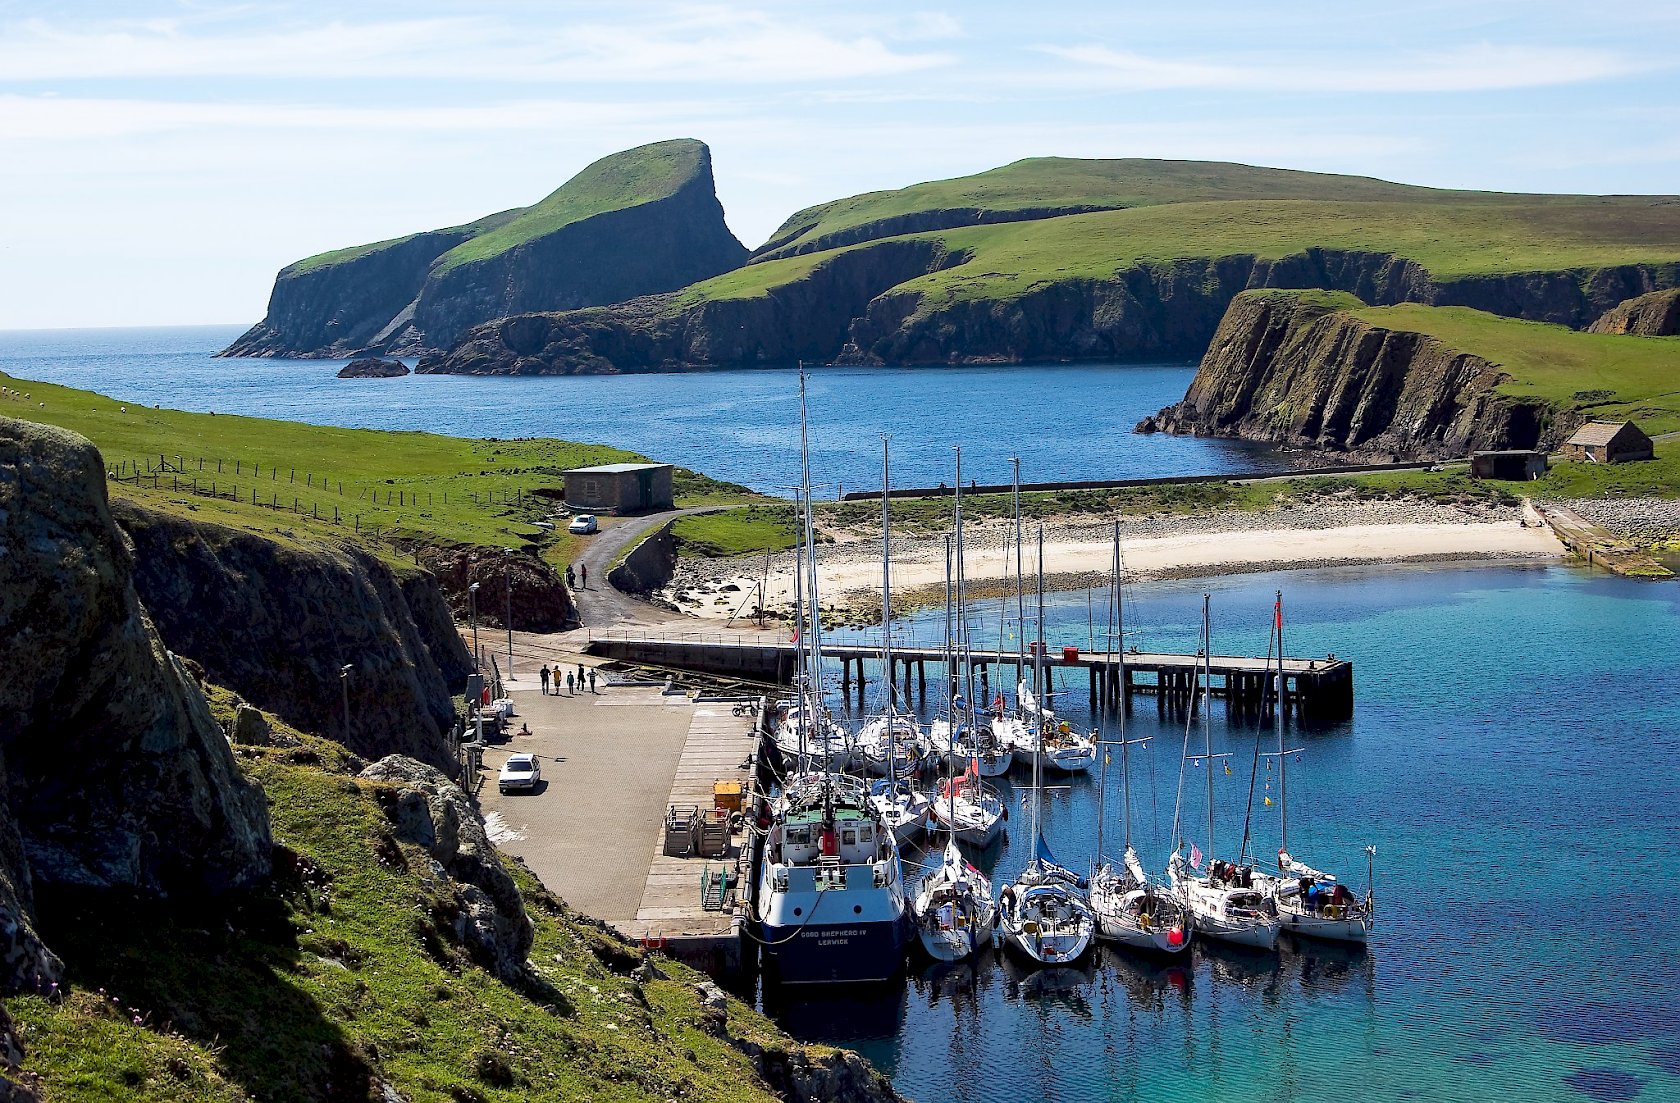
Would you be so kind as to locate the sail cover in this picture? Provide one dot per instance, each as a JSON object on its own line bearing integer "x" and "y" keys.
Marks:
{"x": 1134, "y": 867}
{"x": 1301, "y": 869}
{"x": 1043, "y": 854}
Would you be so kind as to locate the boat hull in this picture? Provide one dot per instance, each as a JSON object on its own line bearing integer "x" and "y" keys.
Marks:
{"x": 853, "y": 953}
{"x": 954, "y": 945}
{"x": 1153, "y": 941}
{"x": 1316, "y": 926}
{"x": 1256, "y": 935}
{"x": 1052, "y": 949}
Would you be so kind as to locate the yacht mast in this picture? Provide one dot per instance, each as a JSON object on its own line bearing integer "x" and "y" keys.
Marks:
{"x": 1117, "y": 637}
{"x": 1020, "y": 599}
{"x": 1207, "y": 710}
{"x": 1038, "y": 744}
{"x": 1283, "y": 768}
{"x": 886, "y": 615}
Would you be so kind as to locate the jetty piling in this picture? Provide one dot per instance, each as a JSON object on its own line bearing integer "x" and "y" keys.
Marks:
{"x": 1317, "y": 690}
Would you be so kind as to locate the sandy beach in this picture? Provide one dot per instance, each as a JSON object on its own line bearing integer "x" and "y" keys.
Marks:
{"x": 1078, "y": 552}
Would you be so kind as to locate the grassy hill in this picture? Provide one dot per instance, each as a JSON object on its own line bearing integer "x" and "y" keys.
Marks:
{"x": 403, "y": 486}
{"x": 1048, "y": 182}
{"x": 613, "y": 183}
{"x": 1608, "y": 376}
{"x": 1450, "y": 237}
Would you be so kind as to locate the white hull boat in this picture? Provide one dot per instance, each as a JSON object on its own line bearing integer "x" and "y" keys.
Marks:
{"x": 1137, "y": 914}
{"x": 1234, "y": 913}
{"x": 898, "y": 736}
{"x": 904, "y": 810}
{"x": 1046, "y": 916}
{"x": 975, "y": 815}
{"x": 953, "y": 909}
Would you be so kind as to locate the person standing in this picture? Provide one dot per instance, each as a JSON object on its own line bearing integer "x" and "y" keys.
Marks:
{"x": 568, "y": 683}
{"x": 571, "y": 577}
{"x": 580, "y": 677}
{"x": 543, "y": 673}
{"x": 592, "y": 679}
{"x": 583, "y": 572}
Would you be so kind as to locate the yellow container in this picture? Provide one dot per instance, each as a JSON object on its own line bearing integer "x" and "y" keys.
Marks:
{"x": 727, "y": 795}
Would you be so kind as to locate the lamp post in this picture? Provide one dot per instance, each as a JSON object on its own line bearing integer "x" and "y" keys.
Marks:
{"x": 507, "y": 574}
{"x": 344, "y": 689}
{"x": 472, "y": 601}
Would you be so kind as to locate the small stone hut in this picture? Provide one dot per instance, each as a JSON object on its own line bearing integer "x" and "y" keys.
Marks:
{"x": 1608, "y": 442}
{"x": 1511, "y": 464}
{"x": 619, "y": 488}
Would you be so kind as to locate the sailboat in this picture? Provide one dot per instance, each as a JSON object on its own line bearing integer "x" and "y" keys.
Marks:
{"x": 1309, "y": 901}
{"x": 965, "y": 805}
{"x": 1130, "y": 908}
{"x": 831, "y": 901}
{"x": 1045, "y": 914}
{"x": 1223, "y": 900}
{"x": 892, "y": 740}
{"x": 953, "y": 907}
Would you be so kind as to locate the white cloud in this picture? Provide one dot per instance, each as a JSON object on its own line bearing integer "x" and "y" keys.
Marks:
{"x": 1476, "y": 68}
{"x": 713, "y": 44}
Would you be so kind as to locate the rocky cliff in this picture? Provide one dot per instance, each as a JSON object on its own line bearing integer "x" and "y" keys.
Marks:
{"x": 849, "y": 307}
{"x": 1656, "y": 314}
{"x": 1298, "y": 371}
{"x": 116, "y": 775}
{"x": 809, "y": 318}
{"x": 639, "y": 222}
{"x": 276, "y": 621}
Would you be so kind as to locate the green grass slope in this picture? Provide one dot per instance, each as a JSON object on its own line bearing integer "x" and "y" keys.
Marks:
{"x": 616, "y": 182}
{"x": 620, "y": 180}
{"x": 408, "y": 486}
{"x": 1038, "y": 182}
{"x": 348, "y": 971}
{"x": 1451, "y": 238}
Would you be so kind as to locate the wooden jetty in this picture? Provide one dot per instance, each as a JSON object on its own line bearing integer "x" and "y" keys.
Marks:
{"x": 694, "y": 907}
{"x": 1316, "y": 691}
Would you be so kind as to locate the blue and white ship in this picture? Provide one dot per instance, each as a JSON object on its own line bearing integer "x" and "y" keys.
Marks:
{"x": 831, "y": 901}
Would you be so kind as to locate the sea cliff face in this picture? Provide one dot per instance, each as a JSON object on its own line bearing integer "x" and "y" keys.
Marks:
{"x": 806, "y": 318}
{"x": 1286, "y": 370}
{"x": 117, "y": 777}
{"x": 275, "y": 622}
{"x": 1656, "y": 314}
{"x": 850, "y": 308}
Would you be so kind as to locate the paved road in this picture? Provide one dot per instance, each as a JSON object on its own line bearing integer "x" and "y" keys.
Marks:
{"x": 599, "y": 604}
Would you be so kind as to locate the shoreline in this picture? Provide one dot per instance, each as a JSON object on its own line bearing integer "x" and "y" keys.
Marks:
{"x": 1078, "y": 554}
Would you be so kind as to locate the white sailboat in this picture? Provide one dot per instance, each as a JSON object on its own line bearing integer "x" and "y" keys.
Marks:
{"x": 952, "y": 907}
{"x": 1224, "y": 901}
{"x": 891, "y": 742}
{"x": 1046, "y": 914}
{"x": 1309, "y": 901}
{"x": 1131, "y": 909}
{"x": 831, "y": 903}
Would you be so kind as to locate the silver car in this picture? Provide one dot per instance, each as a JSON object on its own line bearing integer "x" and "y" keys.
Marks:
{"x": 583, "y": 524}
{"x": 520, "y": 771}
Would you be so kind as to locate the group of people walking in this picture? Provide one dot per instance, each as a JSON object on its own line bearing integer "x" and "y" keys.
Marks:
{"x": 572, "y": 680}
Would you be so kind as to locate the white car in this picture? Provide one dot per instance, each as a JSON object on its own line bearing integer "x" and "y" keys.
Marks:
{"x": 520, "y": 771}
{"x": 583, "y": 524}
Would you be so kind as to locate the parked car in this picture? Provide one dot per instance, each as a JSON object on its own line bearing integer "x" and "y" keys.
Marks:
{"x": 520, "y": 771}
{"x": 583, "y": 524}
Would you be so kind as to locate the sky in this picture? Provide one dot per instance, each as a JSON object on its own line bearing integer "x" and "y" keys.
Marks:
{"x": 160, "y": 161}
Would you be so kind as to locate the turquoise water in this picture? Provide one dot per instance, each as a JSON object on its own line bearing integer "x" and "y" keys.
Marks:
{"x": 1513, "y": 757}
{"x": 1065, "y": 421}
{"x": 1514, "y": 754}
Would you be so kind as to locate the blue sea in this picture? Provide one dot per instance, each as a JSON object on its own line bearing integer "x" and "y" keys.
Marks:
{"x": 1065, "y": 421}
{"x": 1513, "y": 757}
{"x": 1514, "y": 754}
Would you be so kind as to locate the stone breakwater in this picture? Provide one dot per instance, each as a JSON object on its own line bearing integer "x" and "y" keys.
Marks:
{"x": 1646, "y": 520}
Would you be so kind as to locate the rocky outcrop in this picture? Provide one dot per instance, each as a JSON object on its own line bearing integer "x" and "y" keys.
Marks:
{"x": 373, "y": 367}
{"x": 340, "y": 307}
{"x": 850, "y": 308}
{"x": 1656, "y": 314}
{"x": 806, "y": 318}
{"x": 640, "y": 222}
{"x": 275, "y": 621}
{"x": 537, "y": 594}
{"x": 649, "y": 566}
{"x": 1289, "y": 370}
{"x": 428, "y": 811}
{"x": 115, "y": 774}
